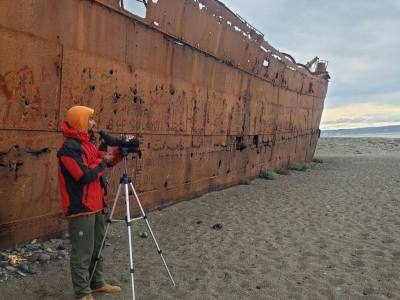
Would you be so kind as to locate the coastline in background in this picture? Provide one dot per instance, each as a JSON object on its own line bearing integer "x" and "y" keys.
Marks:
{"x": 381, "y": 132}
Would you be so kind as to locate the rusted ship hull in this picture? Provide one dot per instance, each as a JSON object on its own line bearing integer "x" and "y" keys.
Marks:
{"x": 213, "y": 102}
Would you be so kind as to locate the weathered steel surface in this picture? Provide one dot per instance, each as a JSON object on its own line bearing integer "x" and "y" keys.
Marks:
{"x": 29, "y": 91}
{"x": 212, "y": 101}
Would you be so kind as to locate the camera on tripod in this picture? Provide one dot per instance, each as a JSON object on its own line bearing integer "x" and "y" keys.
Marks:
{"x": 126, "y": 145}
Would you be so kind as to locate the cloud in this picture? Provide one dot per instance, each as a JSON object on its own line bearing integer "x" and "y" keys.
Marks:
{"x": 366, "y": 119}
{"x": 379, "y": 99}
{"x": 360, "y": 115}
{"x": 345, "y": 120}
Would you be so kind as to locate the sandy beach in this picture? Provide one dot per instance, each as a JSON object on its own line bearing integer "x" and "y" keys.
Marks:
{"x": 329, "y": 233}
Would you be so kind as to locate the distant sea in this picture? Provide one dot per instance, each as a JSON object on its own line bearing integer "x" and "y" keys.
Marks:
{"x": 373, "y": 132}
{"x": 367, "y": 135}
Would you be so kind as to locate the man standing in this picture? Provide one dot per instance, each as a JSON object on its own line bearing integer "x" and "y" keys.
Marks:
{"x": 80, "y": 167}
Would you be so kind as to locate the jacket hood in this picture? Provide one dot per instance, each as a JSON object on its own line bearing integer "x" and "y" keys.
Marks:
{"x": 78, "y": 117}
{"x": 69, "y": 132}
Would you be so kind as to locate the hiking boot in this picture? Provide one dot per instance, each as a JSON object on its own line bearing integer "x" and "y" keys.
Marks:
{"x": 108, "y": 288}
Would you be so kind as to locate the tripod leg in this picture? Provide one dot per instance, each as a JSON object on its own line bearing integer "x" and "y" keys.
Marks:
{"x": 105, "y": 234}
{"x": 151, "y": 232}
{"x": 129, "y": 224}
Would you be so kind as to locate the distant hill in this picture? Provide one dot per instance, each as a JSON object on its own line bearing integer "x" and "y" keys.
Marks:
{"x": 385, "y": 131}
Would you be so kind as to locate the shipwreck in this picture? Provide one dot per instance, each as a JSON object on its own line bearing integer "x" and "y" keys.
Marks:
{"x": 212, "y": 100}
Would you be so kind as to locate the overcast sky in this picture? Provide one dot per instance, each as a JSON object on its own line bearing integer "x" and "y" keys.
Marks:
{"x": 359, "y": 38}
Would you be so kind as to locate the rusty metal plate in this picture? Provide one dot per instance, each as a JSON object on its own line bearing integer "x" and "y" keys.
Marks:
{"x": 29, "y": 82}
{"x": 167, "y": 14}
{"x": 320, "y": 89}
{"x": 279, "y": 157}
{"x": 109, "y": 86}
{"x": 82, "y": 25}
{"x": 23, "y": 230}
{"x": 22, "y": 152}
{"x": 301, "y": 119}
{"x": 318, "y": 107}
{"x": 24, "y": 194}
{"x": 302, "y": 148}
{"x": 313, "y": 144}
{"x": 305, "y": 101}
{"x": 116, "y": 4}
{"x": 287, "y": 98}
{"x": 292, "y": 79}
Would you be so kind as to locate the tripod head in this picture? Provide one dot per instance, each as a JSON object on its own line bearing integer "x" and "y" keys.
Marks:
{"x": 125, "y": 151}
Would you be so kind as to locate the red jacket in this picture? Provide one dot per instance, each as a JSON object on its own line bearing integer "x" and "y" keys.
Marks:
{"x": 80, "y": 165}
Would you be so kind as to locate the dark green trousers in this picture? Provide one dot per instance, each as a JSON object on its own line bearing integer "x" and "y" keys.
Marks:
{"x": 87, "y": 233}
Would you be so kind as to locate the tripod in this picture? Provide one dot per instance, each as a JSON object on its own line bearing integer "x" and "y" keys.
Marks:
{"x": 126, "y": 182}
